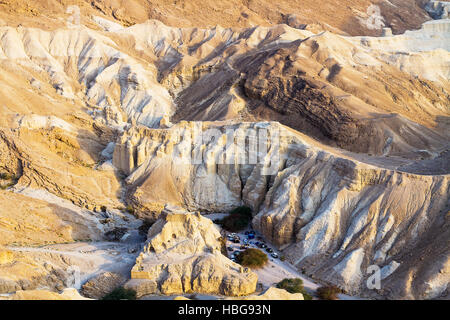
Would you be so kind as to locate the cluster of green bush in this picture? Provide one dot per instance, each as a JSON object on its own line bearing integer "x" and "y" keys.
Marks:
{"x": 328, "y": 292}
{"x": 252, "y": 258}
{"x": 6, "y": 186}
{"x": 121, "y": 294}
{"x": 7, "y": 177}
{"x": 294, "y": 285}
{"x": 237, "y": 220}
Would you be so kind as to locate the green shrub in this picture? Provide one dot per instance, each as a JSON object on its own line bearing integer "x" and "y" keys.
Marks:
{"x": 294, "y": 285}
{"x": 6, "y": 186}
{"x": 252, "y": 258}
{"x": 121, "y": 294}
{"x": 291, "y": 285}
{"x": 11, "y": 180}
{"x": 328, "y": 292}
{"x": 307, "y": 296}
{"x": 7, "y": 176}
{"x": 238, "y": 219}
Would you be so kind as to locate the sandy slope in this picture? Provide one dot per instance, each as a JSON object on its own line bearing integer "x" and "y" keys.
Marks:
{"x": 346, "y": 16}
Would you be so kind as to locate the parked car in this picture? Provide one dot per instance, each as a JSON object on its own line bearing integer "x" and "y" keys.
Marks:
{"x": 230, "y": 249}
{"x": 274, "y": 255}
{"x": 263, "y": 245}
{"x": 236, "y": 240}
{"x": 251, "y": 236}
{"x": 269, "y": 250}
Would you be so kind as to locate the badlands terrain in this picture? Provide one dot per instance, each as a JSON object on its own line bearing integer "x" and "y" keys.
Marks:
{"x": 127, "y": 127}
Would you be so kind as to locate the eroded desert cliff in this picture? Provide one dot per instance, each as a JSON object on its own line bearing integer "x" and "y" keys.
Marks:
{"x": 335, "y": 136}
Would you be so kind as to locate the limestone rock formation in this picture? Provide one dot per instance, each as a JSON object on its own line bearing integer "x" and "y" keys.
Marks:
{"x": 336, "y": 87}
{"x": 348, "y": 16}
{"x": 183, "y": 255}
{"x": 270, "y": 294}
{"x": 103, "y": 284}
{"x": 58, "y": 161}
{"x": 181, "y": 298}
{"x": 56, "y": 267}
{"x": 276, "y": 294}
{"x": 332, "y": 213}
{"x": 67, "y": 294}
{"x": 100, "y": 113}
{"x": 44, "y": 222}
{"x": 6, "y": 256}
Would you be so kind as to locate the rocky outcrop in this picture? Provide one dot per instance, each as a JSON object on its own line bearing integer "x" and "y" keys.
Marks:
{"x": 44, "y": 222}
{"x": 332, "y": 87}
{"x": 276, "y": 294}
{"x": 338, "y": 16}
{"x": 298, "y": 79}
{"x": 333, "y": 214}
{"x": 67, "y": 294}
{"x": 59, "y": 162}
{"x": 334, "y": 220}
{"x": 56, "y": 267}
{"x": 183, "y": 255}
{"x": 270, "y": 294}
{"x": 181, "y": 167}
{"x": 26, "y": 273}
{"x": 101, "y": 285}
{"x": 75, "y": 96}
{"x": 6, "y": 256}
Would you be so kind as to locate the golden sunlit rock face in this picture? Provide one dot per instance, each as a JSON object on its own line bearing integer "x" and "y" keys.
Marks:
{"x": 183, "y": 254}
{"x": 128, "y": 127}
{"x": 342, "y": 16}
